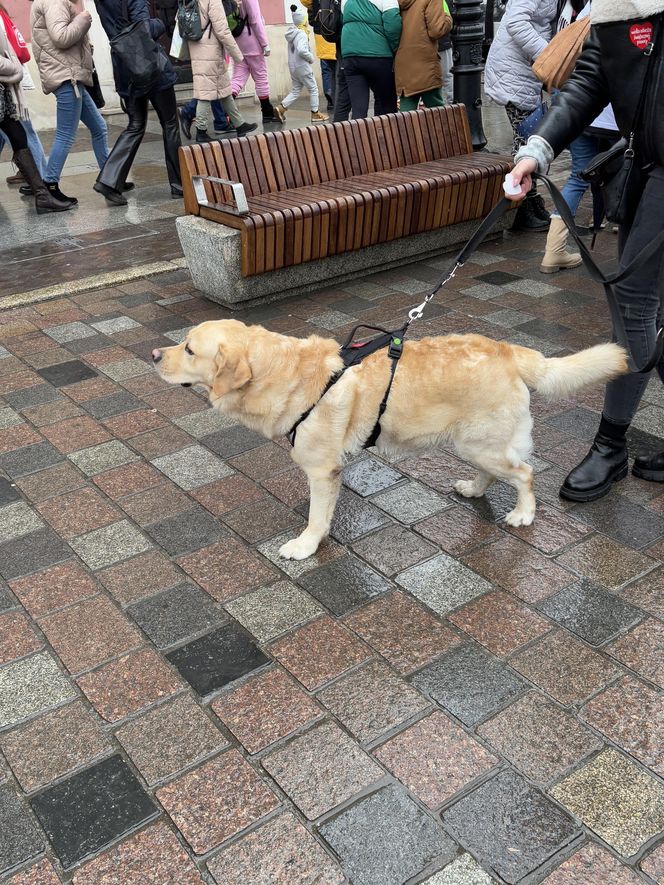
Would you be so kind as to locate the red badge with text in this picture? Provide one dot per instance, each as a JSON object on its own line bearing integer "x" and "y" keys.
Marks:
{"x": 641, "y": 35}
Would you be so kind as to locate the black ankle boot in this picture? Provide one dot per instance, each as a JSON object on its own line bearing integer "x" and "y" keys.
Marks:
{"x": 45, "y": 201}
{"x": 650, "y": 467}
{"x": 528, "y": 217}
{"x": 267, "y": 111}
{"x": 605, "y": 463}
{"x": 202, "y": 137}
{"x": 54, "y": 188}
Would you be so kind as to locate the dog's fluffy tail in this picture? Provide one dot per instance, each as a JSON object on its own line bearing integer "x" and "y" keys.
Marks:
{"x": 559, "y": 377}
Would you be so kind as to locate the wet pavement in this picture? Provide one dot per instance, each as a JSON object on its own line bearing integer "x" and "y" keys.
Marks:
{"x": 434, "y": 698}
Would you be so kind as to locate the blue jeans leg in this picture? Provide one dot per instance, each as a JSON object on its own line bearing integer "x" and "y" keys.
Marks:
{"x": 188, "y": 110}
{"x": 91, "y": 118}
{"x": 36, "y": 148}
{"x": 219, "y": 115}
{"x": 582, "y": 149}
{"x": 68, "y": 114}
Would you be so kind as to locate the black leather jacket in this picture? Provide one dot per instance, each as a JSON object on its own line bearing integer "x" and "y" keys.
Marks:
{"x": 612, "y": 68}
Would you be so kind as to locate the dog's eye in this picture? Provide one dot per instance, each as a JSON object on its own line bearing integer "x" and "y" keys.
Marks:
{"x": 188, "y": 350}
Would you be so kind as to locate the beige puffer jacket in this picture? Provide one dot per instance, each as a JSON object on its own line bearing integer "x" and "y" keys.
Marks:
{"x": 208, "y": 63}
{"x": 60, "y": 44}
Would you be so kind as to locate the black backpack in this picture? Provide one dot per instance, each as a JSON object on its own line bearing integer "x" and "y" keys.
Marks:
{"x": 189, "y": 20}
{"x": 328, "y": 19}
{"x": 236, "y": 20}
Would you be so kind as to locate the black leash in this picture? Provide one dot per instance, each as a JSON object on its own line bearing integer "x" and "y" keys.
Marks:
{"x": 354, "y": 354}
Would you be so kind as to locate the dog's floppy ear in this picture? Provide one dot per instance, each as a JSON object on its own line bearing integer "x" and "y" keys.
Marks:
{"x": 232, "y": 369}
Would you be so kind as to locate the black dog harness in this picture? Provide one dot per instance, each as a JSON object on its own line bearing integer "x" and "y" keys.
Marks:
{"x": 352, "y": 353}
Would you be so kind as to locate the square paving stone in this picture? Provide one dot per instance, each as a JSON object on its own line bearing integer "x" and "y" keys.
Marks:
{"x": 140, "y": 576}
{"x": 128, "y": 479}
{"x": 539, "y": 738}
{"x": 369, "y": 475}
{"x": 509, "y": 826}
{"x": 69, "y": 332}
{"x": 67, "y": 373}
{"x": 344, "y": 583}
{"x": 653, "y": 864}
{"x": 232, "y": 441}
{"x": 265, "y": 708}
{"x": 302, "y": 769}
{"x": 591, "y": 613}
{"x": 255, "y": 522}
{"x": 642, "y": 650}
{"x": 402, "y": 631}
{"x": 217, "y": 800}
{"x": 631, "y": 714}
{"x": 29, "y": 686}
{"x": 152, "y": 855}
{"x": 161, "y": 442}
{"x": 75, "y": 433}
{"x": 411, "y": 502}
{"x": 372, "y": 701}
{"x": 114, "y": 404}
{"x": 551, "y": 531}
{"x": 393, "y": 549}
{"x": 327, "y": 551}
{"x": 457, "y": 529}
{"x": 217, "y": 659}
{"x": 29, "y": 459}
{"x": 227, "y": 569}
{"x": 32, "y": 552}
{"x": 124, "y": 369}
{"x": 442, "y": 583}
{"x": 78, "y": 512}
{"x": 386, "y": 839}
{"x": 192, "y": 467}
{"x": 88, "y": 633}
{"x": 92, "y": 809}
{"x": 200, "y": 424}
{"x": 469, "y": 682}
{"x": 102, "y": 457}
{"x": 647, "y": 593}
{"x": 280, "y": 848}
{"x": 319, "y": 652}
{"x": 187, "y": 531}
{"x": 115, "y": 325}
{"x": 498, "y": 622}
{"x": 54, "y": 588}
{"x": 7, "y": 599}
{"x": 621, "y": 519}
{"x": 64, "y": 477}
{"x": 615, "y": 799}
{"x": 157, "y": 504}
{"x": 262, "y": 462}
{"x": 110, "y": 544}
{"x": 52, "y": 746}
{"x": 8, "y": 492}
{"x": 606, "y": 562}
{"x": 18, "y": 519}
{"x": 462, "y": 871}
{"x": 564, "y": 668}
{"x": 20, "y": 835}
{"x": 41, "y": 873}
{"x": 31, "y": 396}
{"x": 226, "y": 494}
{"x": 129, "y": 684}
{"x": 435, "y": 759}
{"x": 176, "y": 614}
{"x": 169, "y": 738}
{"x": 352, "y": 518}
{"x": 272, "y": 611}
{"x": 17, "y": 638}
{"x": 592, "y": 865}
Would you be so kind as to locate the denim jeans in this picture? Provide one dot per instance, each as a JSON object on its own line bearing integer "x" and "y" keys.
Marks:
{"x": 35, "y": 145}
{"x": 72, "y": 109}
{"x": 188, "y": 111}
{"x": 328, "y": 72}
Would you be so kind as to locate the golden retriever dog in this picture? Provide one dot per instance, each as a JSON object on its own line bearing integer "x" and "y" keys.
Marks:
{"x": 462, "y": 389}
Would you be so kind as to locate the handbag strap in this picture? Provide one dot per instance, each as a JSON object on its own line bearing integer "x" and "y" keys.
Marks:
{"x": 650, "y": 52}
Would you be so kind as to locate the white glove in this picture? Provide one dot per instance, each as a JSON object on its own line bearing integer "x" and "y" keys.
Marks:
{"x": 266, "y": 51}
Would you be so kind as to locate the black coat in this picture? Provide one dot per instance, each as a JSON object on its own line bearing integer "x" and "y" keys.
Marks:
{"x": 111, "y": 16}
{"x": 612, "y": 68}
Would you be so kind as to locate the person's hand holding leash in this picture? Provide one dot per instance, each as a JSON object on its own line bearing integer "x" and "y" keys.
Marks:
{"x": 521, "y": 177}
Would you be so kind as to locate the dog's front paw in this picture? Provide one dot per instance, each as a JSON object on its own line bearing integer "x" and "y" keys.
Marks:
{"x": 519, "y": 517}
{"x": 298, "y": 548}
{"x": 467, "y": 488}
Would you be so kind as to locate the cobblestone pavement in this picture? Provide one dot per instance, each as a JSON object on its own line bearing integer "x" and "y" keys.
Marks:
{"x": 434, "y": 698}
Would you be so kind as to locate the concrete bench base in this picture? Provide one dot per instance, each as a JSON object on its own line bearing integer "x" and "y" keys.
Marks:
{"x": 213, "y": 254}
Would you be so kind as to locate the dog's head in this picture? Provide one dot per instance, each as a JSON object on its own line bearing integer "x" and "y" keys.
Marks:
{"x": 214, "y": 354}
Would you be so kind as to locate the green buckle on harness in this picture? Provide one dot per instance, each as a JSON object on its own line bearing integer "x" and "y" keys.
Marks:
{"x": 395, "y": 349}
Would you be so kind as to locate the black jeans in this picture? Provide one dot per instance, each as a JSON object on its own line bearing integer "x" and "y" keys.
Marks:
{"x": 639, "y": 297}
{"x": 116, "y": 169}
{"x": 375, "y": 74}
{"x": 342, "y": 106}
{"x": 15, "y": 133}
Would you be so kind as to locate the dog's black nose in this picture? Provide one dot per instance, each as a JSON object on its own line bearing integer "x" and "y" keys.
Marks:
{"x": 156, "y": 355}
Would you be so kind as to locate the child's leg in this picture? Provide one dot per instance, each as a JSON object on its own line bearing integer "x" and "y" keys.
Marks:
{"x": 312, "y": 86}
{"x": 433, "y": 98}
{"x": 234, "y": 115}
{"x": 296, "y": 89}
{"x": 408, "y": 102}
{"x": 258, "y": 67}
{"x": 202, "y": 119}
{"x": 240, "y": 76}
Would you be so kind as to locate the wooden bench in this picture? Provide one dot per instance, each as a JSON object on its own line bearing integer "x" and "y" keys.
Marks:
{"x": 301, "y": 195}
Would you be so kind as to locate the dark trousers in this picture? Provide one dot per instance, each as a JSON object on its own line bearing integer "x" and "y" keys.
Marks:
{"x": 341, "y": 96}
{"x": 116, "y": 169}
{"x": 328, "y": 72}
{"x": 639, "y": 299}
{"x": 15, "y": 133}
{"x": 364, "y": 74}
{"x": 188, "y": 111}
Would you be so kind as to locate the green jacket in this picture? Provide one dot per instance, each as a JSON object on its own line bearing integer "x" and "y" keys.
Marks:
{"x": 371, "y": 28}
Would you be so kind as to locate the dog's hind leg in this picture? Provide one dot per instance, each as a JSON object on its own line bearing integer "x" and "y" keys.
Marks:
{"x": 324, "y": 488}
{"x": 474, "y": 488}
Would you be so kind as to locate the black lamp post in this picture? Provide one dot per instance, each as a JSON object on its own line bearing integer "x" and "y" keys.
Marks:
{"x": 467, "y": 42}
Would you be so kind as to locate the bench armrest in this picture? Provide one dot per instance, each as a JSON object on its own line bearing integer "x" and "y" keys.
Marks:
{"x": 241, "y": 205}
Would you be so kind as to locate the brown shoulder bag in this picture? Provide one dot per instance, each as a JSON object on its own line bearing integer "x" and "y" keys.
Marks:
{"x": 553, "y": 65}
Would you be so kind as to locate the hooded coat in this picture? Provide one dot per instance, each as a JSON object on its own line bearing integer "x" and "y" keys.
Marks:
{"x": 416, "y": 64}
{"x": 208, "y": 55}
{"x": 300, "y": 56}
{"x": 60, "y": 44}
{"x": 525, "y": 30}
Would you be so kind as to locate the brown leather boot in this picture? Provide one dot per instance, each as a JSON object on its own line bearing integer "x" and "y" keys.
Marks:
{"x": 44, "y": 200}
